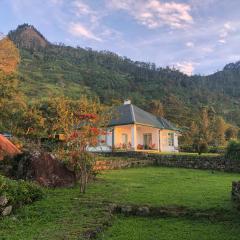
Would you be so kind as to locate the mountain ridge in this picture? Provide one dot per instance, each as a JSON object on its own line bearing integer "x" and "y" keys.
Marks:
{"x": 48, "y": 69}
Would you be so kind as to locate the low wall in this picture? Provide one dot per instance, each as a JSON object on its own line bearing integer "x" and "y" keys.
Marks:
{"x": 134, "y": 159}
{"x": 236, "y": 192}
{"x": 125, "y": 163}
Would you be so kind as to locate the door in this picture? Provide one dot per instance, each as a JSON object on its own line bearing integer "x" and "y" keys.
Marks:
{"x": 147, "y": 140}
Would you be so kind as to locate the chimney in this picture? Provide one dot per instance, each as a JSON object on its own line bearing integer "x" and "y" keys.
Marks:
{"x": 127, "y": 101}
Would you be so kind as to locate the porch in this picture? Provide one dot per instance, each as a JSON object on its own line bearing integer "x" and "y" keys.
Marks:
{"x": 136, "y": 137}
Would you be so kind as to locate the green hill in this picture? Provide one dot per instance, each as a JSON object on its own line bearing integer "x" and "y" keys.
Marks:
{"x": 47, "y": 69}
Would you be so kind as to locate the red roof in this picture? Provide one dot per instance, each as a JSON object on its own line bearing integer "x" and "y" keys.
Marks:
{"x": 7, "y": 148}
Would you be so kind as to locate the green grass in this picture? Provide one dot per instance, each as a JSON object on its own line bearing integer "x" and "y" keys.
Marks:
{"x": 168, "y": 186}
{"x": 65, "y": 214}
{"x": 136, "y": 228}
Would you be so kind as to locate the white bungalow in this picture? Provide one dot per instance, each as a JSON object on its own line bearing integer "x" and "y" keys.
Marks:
{"x": 133, "y": 129}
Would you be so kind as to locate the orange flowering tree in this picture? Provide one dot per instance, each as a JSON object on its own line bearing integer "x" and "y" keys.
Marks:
{"x": 81, "y": 122}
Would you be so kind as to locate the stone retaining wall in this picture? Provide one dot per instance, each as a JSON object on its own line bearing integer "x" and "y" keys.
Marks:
{"x": 236, "y": 193}
{"x": 134, "y": 159}
{"x": 150, "y": 211}
{"x": 120, "y": 164}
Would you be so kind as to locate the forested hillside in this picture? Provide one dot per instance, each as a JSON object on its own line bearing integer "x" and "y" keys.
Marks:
{"x": 48, "y": 69}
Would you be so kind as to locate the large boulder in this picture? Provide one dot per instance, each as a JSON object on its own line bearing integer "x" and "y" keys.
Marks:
{"x": 42, "y": 167}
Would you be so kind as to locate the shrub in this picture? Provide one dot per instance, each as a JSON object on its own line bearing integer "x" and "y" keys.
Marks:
{"x": 187, "y": 148}
{"x": 200, "y": 146}
{"x": 203, "y": 148}
{"x": 19, "y": 192}
{"x": 217, "y": 149}
{"x": 233, "y": 150}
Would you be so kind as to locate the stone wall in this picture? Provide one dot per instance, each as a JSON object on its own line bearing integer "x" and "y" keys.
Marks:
{"x": 124, "y": 163}
{"x": 134, "y": 159}
{"x": 236, "y": 193}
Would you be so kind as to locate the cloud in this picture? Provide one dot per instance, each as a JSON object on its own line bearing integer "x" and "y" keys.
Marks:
{"x": 227, "y": 28}
{"x": 154, "y": 13}
{"x": 190, "y": 44}
{"x": 56, "y": 2}
{"x": 83, "y": 10}
{"x": 186, "y": 67}
{"x": 78, "y": 30}
{"x": 207, "y": 49}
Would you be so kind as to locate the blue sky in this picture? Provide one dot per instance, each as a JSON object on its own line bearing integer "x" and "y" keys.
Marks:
{"x": 195, "y": 36}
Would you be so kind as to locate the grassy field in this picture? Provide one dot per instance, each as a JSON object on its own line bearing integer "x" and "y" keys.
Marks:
{"x": 65, "y": 214}
{"x": 168, "y": 186}
{"x": 136, "y": 228}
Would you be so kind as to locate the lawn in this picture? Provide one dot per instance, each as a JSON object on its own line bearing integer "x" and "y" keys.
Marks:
{"x": 168, "y": 186}
{"x": 136, "y": 228}
{"x": 65, "y": 214}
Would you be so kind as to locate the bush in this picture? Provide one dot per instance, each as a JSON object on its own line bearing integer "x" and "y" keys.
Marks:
{"x": 200, "y": 146}
{"x": 19, "y": 192}
{"x": 233, "y": 150}
{"x": 216, "y": 149}
{"x": 186, "y": 148}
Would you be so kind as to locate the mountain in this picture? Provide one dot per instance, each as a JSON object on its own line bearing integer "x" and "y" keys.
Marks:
{"x": 27, "y": 36}
{"x": 48, "y": 69}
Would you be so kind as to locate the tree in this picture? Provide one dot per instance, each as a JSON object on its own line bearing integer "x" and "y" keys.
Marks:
{"x": 81, "y": 122}
{"x": 219, "y": 132}
{"x": 231, "y": 133}
{"x": 156, "y": 108}
{"x": 9, "y": 56}
{"x": 12, "y": 101}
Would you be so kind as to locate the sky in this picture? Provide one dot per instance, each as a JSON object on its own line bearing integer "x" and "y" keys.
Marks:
{"x": 194, "y": 36}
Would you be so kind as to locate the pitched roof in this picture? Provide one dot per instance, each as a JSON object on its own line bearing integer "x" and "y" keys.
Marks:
{"x": 130, "y": 114}
{"x": 7, "y": 148}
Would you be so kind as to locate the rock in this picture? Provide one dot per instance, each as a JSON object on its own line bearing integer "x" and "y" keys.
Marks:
{"x": 7, "y": 211}
{"x": 3, "y": 201}
{"x": 127, "y": 210}
{"x": 43, "y": 167}
{"x": 113, "y": 208}
{"x": 143, "y": 211}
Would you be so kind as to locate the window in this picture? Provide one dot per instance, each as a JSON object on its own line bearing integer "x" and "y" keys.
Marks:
{"x": 124, "y": 138}
{"x": 171, "y": 139}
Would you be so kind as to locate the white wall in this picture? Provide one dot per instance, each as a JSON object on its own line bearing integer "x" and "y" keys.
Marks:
{"x": 164, "y": 146}
{"x": 141, "y": 130}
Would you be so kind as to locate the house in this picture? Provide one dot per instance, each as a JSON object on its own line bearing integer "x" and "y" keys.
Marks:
{"x": 133, "y": 129}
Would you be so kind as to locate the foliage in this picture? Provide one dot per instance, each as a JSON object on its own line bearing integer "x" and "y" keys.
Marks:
{"x": 19, "y": 192}
{"x": 233, "y": 150}
{"x": 82, "y": 122}
{"x": 217, "y": 149}
{"x": 9, "y": 56}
